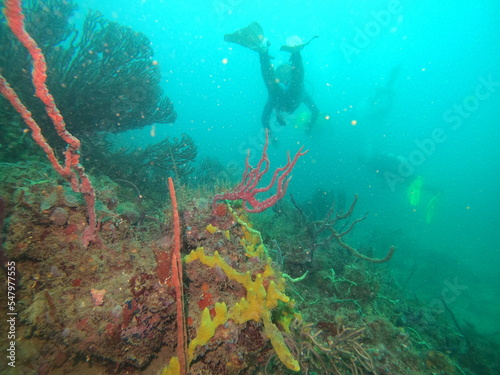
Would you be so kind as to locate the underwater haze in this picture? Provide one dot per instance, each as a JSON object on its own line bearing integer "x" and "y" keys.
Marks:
{"x": 448, "y": 87}
{"x": 408, "y": 94}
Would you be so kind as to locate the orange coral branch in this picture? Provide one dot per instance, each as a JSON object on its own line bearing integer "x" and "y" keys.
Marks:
{"x": 72, "y": 170}
{"x": 177, "y": 281}
{"x": 247, "y": 189}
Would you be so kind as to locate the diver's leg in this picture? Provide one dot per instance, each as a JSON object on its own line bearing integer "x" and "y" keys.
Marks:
{"x": 267, "y": 70}
{"x": 296, "y": 85}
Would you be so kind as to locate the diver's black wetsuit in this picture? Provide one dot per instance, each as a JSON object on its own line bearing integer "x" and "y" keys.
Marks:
{"x": 283, "y": 98}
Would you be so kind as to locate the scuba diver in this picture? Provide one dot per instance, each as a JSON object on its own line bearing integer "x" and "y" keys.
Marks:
{"x": 285, "y": 85}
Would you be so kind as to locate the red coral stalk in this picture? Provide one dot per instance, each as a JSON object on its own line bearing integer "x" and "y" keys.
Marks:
{"x": 72, "y": 170}
{"x": 177, "y": 281}
{"x": 246, "y": 190}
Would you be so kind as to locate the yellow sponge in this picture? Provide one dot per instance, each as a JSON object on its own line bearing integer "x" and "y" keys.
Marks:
{"x": 257, "y": 306}
{"x": 173, "y": 367}
{"x": 210, "y": 228}
{"x": 207, "y": 327}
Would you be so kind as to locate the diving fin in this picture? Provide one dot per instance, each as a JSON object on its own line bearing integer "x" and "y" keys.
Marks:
{"x": 430, "y": 209}
{"x": 414, "y": 191}
{"x": 291, "y": 47}
{"x": 251, "y": 37}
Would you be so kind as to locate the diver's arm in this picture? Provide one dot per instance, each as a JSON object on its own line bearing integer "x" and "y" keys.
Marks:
{"x": 313, "y": 108}
{"x": 266, "y": 115}
{"x": 298, "y": 72}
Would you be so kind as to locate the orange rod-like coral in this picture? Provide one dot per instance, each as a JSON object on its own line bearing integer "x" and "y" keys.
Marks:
{"x": 15, "y": 18}
{"x": 72, "y": 170}
{"x": 177, "y": 281}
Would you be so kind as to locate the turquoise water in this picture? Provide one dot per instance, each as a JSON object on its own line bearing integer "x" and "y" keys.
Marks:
{"x": 448, "y": 53}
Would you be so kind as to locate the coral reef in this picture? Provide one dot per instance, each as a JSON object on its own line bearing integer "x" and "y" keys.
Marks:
{"x": 105, "y": 307}
{"x": 247, "y": 189}
{"x": 103, "y": 78}
{"x": 194, "y": 288}
{"x": 72, "y": 299}
{"x": 148, "y": 168}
